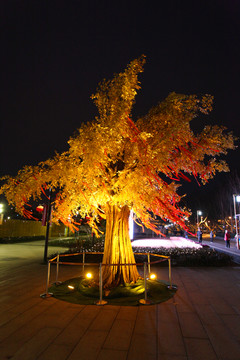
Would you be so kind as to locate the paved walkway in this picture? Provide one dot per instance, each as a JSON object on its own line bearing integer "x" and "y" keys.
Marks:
{"x": 14, "y": 255}
{"x": 202, "y": 321}
{"x": 220, "y": 245}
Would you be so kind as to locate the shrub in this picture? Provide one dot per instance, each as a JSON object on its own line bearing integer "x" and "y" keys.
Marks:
{"x": 204, "y": 256}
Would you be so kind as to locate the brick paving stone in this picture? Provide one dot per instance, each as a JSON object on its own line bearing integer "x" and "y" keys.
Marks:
{"x": 55, "y": 319}
{"x": 6, "y": 316}
{"x": 236, "y": 308}
{"x": 171, "y": 357}
{"x": 201, "y": 321}
{"x": 18, "y": 321}
{"x": 55, "y": 352}
{"x": 74, "y": 331}
{"x": 127, "y": 313}
{"x": 30, "y": 327}
{"x": 199, "y": 349}
{"x": 90, "y": 311}
{"x": 196, "y": 297}
{"x": 119, "y": 337}
{"x": 104, "y": 320}
{"x": 170, "y": 340}
{"x": 191, "y": 286}
{"x": 167, "y": 313}
{"x": 182, "y": 301}
{"x": 144, "y": 339}
{"x": 225, "y": 345}
{"x": 222, "y": 307}
{"x": 15, "y": 341}
{"x": 109, "y": 354}
{"x": 36, "y": 345}
{"x": 232, "y": 322}
{"x": 142, "y": 347}
{"x": 26, "y": 304}
{"x": 146, "y": 321}
{"x": 207, "y": 314}
{"x": 191, "y": 325}
{"x": 89, "y": 346}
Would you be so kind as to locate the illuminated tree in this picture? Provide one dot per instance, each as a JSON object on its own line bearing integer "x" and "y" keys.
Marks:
{"x": 115, "y": 165}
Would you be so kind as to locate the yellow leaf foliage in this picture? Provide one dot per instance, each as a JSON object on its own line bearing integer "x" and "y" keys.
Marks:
{"x": 114, "y": 160}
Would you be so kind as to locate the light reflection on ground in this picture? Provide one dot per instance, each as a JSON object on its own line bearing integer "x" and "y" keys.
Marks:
{"x": 172, "y": 242}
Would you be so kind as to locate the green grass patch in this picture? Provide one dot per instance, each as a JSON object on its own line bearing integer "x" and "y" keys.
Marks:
{"x": 87, "y": 293}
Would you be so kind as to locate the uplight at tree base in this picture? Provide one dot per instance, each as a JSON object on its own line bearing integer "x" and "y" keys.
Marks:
{"x": 71, "y": 287}
{"x": 89, "y": 275}
{"x": 152, "y": 276}
{"x": 173, "y": 242}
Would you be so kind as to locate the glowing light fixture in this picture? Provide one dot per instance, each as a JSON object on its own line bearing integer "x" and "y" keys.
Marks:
{"x": 153, "y": 276}
{"x": 1, "y": 208}
{"x": 40, "y": 208}
{"x": 71, "y": 287}
{"x": 173, "y": 242}
{"x": 199, "y": 213}
{"x": 89, "y": 275}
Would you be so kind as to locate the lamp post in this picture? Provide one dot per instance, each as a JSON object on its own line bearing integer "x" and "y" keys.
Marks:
{"x": 199, "y": 213}
{"x": 236, "y": 198}
{"x": 48, "y": 219}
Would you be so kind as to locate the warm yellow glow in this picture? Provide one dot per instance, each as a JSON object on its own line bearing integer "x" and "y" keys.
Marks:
{"x": 70, "y": 287}
{"x": 88, "y": 275}
{"x": 115, "y": 164}
{"x": 153, "y": 276}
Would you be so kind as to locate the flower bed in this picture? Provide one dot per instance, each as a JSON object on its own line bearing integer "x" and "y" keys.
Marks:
{"x": 204, "y": 256}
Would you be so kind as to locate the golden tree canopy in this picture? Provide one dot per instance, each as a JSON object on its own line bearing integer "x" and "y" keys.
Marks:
{"x": 118, "y": 161}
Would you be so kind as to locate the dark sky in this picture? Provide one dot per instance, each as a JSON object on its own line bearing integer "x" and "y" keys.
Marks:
{"x": 54, "y": 53}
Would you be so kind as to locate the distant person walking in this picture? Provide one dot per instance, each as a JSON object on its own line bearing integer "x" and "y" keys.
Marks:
{"x": 211, "y": 236}
{"x": 199, "y": 236}
{"x": 227, "y": 237}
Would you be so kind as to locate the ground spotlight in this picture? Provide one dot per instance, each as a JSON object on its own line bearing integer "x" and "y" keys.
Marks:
{"x": 152, "y": 276}
{"x": 89, "y": 275}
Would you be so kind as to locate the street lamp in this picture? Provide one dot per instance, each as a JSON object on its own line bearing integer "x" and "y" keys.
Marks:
{"x": 199, "y": 213}
{"x": 236, "y": 198}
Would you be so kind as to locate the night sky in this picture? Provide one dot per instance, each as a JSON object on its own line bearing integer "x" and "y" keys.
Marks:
{"x": 54, "y": 53}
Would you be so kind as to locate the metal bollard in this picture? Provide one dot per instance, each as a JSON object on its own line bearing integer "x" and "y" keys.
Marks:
{"x": 57, "y": 269}
{"x": 47, "y": 294}
{"x": 100, "y": 301}
{"x": 149, "y": 264}
{"x": 145, "y": 301}
{"x": 57, "y": 272}
{"x": 170, "y": 273}
{"x": 83, "y": 256}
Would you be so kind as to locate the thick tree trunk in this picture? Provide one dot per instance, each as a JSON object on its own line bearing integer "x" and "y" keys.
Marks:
{"x": 118, "y": 248}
